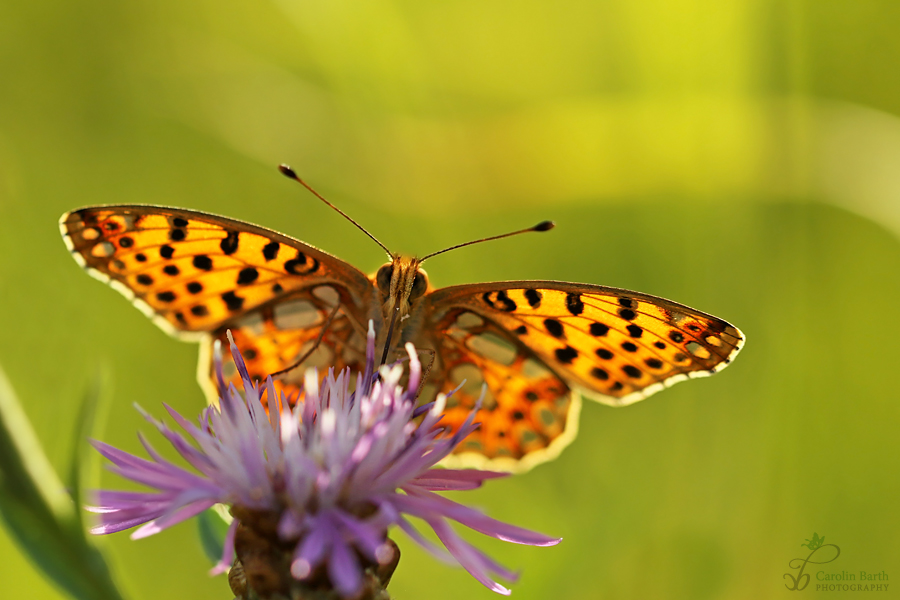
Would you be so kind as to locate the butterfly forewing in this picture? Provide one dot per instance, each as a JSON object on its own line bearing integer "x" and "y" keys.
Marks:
{"x": 195, "y": 271}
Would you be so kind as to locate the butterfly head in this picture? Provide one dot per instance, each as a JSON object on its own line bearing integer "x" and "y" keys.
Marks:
{"x": 400, "y": 283}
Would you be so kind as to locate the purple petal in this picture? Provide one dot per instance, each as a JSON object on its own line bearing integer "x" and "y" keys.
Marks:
{"x": 114, "y": 526}
{"x": 415, "y": 371}
{"x": 417, "y": 537}
{"x": 430, "y": 505}
{"x": 227, "y": 551}
{"x": 366, "y": 538}
{"x": 343, "y": 569}
{"x": 116, "y": 500}
{"x": 290, "y": 525}
{"x": 312, "y": 549}
{"x": 182, "y": 514}
{"x": 455, "y": 479}
{"x": 495, "y": 567}
{"x": 463, "y": 552}
{"x": 238, "y": 360}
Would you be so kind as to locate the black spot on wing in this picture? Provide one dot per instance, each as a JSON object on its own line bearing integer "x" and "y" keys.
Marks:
{"x": 574, "y": 304}
{"x": 195, "y": 287}
{"x": 203, "y": 262}
{"x": 247, "y": 276}
{"x": 166, "y": 296}
{"x": 566, "y": 355}
{"x": 603, "y": 353}
{"x": 199, "y": 310}
{"x": 126, "y": 242}
{"x": 554, "y": 327}
{"x": 144, "y": 279}
{"x": 233, "y": 301}
{"x": 301, "y": 265}
{"x": 270, "y": 250}
{"x": 599, "y": 373}
{"x": 176, "y": 235}
{"x": 676, "y": 337}
{"x": 499, "y": 300}
{"x": 629, "y": 347}
{"x": 599, "y": 329}
{"x": 627, "y": 314}
{"x": 635, "y": 331}
{"x": 632, "y": 371}
{"x": 166, "y": 251}
{"x": 533, "y": 297}
{"x": 229, "y": 245}
{"x": 171, "y": 270}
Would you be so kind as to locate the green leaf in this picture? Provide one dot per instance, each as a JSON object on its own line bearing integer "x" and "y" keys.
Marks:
{"x": 212, "y": 526}
{"x": 39, "y": 512}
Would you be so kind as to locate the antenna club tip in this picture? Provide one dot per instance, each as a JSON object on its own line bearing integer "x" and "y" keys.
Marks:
{"x": 544, "y": 226}
{"x": 287, "y": 171}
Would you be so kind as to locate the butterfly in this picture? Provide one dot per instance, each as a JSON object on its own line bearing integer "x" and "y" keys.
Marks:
{"x": 532, "y": 348}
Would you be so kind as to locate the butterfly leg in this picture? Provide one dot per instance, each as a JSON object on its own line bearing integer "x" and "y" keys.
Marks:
{"x": 312, "y": 348}
{"x": 390, "y": 333}
{"x": 432, "y": 355}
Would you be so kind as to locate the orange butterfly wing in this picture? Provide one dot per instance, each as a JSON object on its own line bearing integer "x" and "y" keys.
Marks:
{"x": 533, "y": 342}
{"x": 197, "y": 274}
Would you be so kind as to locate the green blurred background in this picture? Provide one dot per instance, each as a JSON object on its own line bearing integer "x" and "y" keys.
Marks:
{"x": 742, "y": 157}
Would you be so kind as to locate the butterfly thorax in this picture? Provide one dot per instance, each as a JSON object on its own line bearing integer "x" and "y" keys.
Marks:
{"x": 401, "y": 283}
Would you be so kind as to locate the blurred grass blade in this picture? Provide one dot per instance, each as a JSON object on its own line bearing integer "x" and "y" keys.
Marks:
{"x": 96, "y": 401}
{"x": 40, "y": 514}
{"x": 212, "y": 526}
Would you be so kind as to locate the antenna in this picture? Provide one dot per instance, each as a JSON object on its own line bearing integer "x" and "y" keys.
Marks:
{"x": 291, "y": 174}
{"x": 542, "y": 226}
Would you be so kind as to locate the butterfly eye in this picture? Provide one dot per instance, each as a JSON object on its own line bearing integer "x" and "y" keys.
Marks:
{"x": 383, "y": 278}
{"x": 419, "y": 286}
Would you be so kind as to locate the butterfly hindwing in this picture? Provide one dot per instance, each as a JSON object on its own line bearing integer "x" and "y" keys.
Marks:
{"x": 281, "y": 334}
{"x": 528, "y": 413}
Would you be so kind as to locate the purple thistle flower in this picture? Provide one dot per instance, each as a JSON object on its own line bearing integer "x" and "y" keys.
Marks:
{"x": 326, "y": 478}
